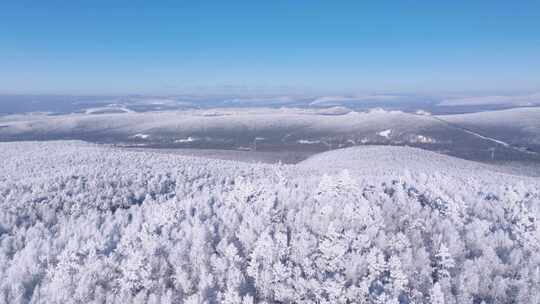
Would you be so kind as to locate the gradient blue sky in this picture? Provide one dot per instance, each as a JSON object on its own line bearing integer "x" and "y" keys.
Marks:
{"x": 103, "y": 47}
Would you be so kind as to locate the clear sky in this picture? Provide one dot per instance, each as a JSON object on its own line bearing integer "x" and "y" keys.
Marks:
{"x": 102, "y": 47}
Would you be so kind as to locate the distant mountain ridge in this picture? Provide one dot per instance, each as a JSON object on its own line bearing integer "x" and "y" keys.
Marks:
{"x": 467, "y": 136}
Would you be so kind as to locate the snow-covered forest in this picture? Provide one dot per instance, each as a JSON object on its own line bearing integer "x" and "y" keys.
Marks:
{"x": 82, "y": 223}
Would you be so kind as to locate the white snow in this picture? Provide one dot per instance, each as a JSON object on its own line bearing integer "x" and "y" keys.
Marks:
{"x": 83, "y": 223}
{"x": 308, "y": 142}
{"x": 520, "y": 124}
{"x": 185, "y": 140}
{"x": 423, "y": 139}
{"x": 230, "y": 120}
{"x": 386, "y": 133}
{"x": 334, "y": 111}
{"x": 141, "y": 136}
{"x": 377, "y": 161}
{"x": 107, "y": 110}
{"x": 423, "y": 112}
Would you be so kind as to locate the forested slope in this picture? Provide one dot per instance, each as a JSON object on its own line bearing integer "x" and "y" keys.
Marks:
{"x": 81, "y": 223}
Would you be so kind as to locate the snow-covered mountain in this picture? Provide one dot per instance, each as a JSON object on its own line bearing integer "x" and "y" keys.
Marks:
{"x": 384, "y": 161}
{"x": 208, "y": 122}
{"x": 83, "y": 223}
{"x": 289, "y": 129}
{"x": 520, "y": 125}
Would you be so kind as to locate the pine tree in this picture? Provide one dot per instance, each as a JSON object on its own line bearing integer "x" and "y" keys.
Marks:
{"x": 443, "y": 262}
{"x": 398, "y": 278}
{"x": 436, "y": 295}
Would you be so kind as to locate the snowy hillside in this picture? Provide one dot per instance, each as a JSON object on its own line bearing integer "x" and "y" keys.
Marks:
{"x": 200, "y": 124}
{"x": 286, "y": 129}
{"x": 519, "y": 126}
{"x": 395, "y": 161}
{"x": 82, "y": 223}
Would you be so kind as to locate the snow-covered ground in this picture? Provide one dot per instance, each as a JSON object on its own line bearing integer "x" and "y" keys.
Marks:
{"x": 383, "y": 161}
{"x": 385, "y": 133}
{"x": 197, "y": 122}
{"x": 253, "y": 129}
{"x": 472, "y": 136}
{"x": 84, "y": 223}
{"x": 519, "y": 125}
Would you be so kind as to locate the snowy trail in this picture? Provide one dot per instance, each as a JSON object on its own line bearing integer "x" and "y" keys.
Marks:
{"x": 485, "y": 137}
{"x": 488, "y": 138}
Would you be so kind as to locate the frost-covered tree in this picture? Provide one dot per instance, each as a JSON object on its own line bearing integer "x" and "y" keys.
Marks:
{"x": 88, "y": 224}
{"x": 444, "y": 262}
{"x": 436, "y": 295}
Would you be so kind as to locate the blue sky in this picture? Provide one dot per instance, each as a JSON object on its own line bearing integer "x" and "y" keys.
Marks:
{"x": 104, "y": 47}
